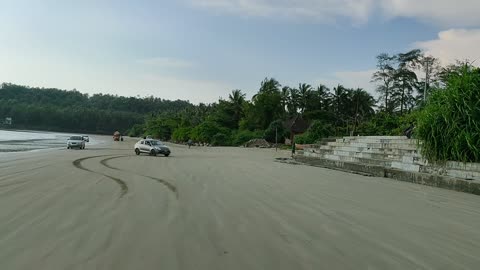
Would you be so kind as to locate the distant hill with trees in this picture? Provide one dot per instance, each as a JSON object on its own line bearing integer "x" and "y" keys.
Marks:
{"x": 72, "y": 111}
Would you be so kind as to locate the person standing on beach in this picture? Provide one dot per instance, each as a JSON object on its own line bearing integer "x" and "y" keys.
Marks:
{"x": 409, "y": 131}
{"x": 189, "y": 143}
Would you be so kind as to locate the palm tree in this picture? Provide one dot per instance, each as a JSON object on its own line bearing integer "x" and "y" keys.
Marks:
{"x": 269, "y": 85}
{"x": 340, "y": 94}
{"x": 305, "y": 91}
{"x": 237, "y": 99}
{"x": 293, "y": 101}
{"x": 363, "y": 104}
{"x": 285, "y": 94}
{"x": 324, "y": 96}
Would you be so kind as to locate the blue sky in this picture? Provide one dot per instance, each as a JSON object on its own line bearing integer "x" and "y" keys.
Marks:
{"x": 200, "y": 50}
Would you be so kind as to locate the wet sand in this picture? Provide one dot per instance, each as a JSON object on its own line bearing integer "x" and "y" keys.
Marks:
{"x": 222, "y": 208}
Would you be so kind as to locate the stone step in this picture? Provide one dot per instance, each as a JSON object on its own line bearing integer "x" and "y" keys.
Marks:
{"x": 412, "y": 158}
{"x": 395, "y": 151}
{"x": 376, "y": 162}
{"x": 378, "y": 137}
{"x": 371, "y": 170}
{"x": 368, "y": 140}
{"x": 458, "y": 173}
{"x": 463, "y": 166}
{"x": 375, "y": 145}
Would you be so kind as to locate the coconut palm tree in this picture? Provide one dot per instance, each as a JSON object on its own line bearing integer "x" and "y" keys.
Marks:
{"x": 293, "y": 101}
{"x": 324, "y": 97}
{"x": 237, "y": 99}
{"x": 285, "y": 94}
{"x": 268, "y": 86}
{"x": 363, "y": 105}
{"x": 304, "y": 91}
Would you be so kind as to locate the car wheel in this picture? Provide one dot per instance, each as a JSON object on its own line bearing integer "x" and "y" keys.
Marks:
{"x": 167, "y": 155}
{"x": 68, "y": 147}
{"x": 137, "y": 151}
{"x": 153, "y": 153}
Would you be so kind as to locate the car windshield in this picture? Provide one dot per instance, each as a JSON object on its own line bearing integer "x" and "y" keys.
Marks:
{"x": 156, "y": 143}
{"x": 76, "y": 138}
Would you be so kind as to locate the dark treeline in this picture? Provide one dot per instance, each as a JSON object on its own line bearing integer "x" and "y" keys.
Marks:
{"x": 72, "y": 111}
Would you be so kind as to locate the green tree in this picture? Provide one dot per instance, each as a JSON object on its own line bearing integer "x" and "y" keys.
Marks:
{"x": 305, "y": 93}
{"x": 182, "y": 134}
{"x": 317, "y": 131}
{"x": 237, "y": 99}
{"x": 267, "y": 103}
{"x": 285, "y": 96}
{"x": 406, "y": 80}
{"x": 275, "y": 130}
{"x": 206, "y": 131}
{"x": 385, "y": 78}
{"x": 363, "y": 106}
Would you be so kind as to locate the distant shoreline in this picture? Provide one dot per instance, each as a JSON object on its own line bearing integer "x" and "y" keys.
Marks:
{"x": 50, "y": 131}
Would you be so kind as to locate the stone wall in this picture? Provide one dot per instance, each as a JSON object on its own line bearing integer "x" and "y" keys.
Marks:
{"x": 392, "y": 156}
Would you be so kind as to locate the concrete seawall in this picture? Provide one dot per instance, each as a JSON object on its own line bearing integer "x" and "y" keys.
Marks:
{"x": 434, "y": 180}
{"x": 392, "y": 157}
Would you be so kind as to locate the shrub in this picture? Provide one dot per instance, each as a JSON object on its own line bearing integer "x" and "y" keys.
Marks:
{"x": 181, "y": 134}
{"x": 221, "y": 139}
{"x": 206, "y": 131}
{"x": 242, "y": 136}
{"x": 136, "y": 131}
{"x": 381, "y": 124}
{"x": 449, "y": 125}
{"x": 317, "y": 130}
{"x": 280, "y": 132}
{"x": 304, "y": 139}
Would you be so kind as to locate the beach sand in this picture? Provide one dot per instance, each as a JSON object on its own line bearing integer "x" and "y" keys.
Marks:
{"x": 221, "y": 208}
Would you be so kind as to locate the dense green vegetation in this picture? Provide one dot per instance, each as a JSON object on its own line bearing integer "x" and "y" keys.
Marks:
{"x": 449, "y": 125}
{"x": 331, "y": 112}
{"x": 60, "y": 110}
{"x": 444, "y": 102}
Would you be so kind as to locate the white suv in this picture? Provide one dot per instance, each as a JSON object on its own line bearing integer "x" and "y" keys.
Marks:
{"x": 151, "y": 147}
{"x": 76, "y": 142}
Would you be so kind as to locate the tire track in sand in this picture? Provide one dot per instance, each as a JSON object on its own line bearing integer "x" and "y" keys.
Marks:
{"x": 167, "y": 184}
{"x": 123, "y": 186}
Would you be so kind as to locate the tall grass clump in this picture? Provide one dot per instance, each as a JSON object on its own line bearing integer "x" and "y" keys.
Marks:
{"x": 449, "y": 125}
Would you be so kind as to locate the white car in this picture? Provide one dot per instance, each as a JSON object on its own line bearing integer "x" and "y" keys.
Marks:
{"x": 151, "y": 147}
{"x": 76, "y": 142}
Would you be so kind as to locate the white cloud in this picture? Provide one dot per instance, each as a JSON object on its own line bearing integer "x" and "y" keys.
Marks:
{"x": 443, "y": 12}
{"x": 165, "y": 62}
{"x": 350, "y": 79}
{"x": 452, "y": 45}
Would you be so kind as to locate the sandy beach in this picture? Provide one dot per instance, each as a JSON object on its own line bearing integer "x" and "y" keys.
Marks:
{"x": 221, "y": 208}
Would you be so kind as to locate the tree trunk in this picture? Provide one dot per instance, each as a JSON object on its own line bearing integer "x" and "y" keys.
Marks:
{"x": 386, "y": 99}
{"x": 402, "y": 102}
